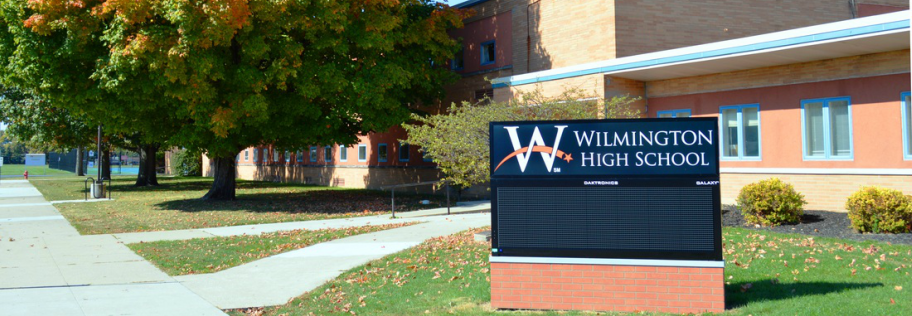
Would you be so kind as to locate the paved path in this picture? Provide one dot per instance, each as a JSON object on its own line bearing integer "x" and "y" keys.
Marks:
{"x": 47, "y": 268}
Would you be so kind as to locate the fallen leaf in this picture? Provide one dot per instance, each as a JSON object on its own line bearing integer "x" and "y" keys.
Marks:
{"x": 898, "y": 288}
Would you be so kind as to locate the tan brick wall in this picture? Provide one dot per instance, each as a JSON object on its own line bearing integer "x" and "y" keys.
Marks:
{"x": 822, "y": 192}
{"x": 653, "y": 25}
{"x": 621, "y": 87}
{"x": 607, "y": 288}
{"x": 816, "y": 71}
{"x": 563, "y": 33}
{"x": 593, "y": 85}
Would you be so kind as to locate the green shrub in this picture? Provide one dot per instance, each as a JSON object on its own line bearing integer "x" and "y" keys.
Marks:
{"x": 186, "y": 163}
{"x": 771, "y": 202}
{"x": 880, "y": 210}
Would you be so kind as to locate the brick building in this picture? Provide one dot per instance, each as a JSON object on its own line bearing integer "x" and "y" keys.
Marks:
{"x": 825, "y": 77}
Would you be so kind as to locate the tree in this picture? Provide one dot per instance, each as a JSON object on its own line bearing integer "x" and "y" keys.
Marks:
{"x": 464, "y": 160}
{"x": 229, "y": 74}
{"x": 13, "y": 152}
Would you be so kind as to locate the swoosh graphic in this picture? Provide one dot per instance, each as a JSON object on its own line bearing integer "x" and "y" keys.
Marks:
{"x": 536, "y": 149}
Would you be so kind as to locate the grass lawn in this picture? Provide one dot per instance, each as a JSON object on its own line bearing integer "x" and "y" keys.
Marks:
{"x": 175, "y": 204}
{"x": 207, "y": 255}
{"x": 766, "y": 274}
{"x": 17, "y": 170}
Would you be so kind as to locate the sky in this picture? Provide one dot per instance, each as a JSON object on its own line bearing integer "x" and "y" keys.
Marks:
{"x": 453, "y": 2}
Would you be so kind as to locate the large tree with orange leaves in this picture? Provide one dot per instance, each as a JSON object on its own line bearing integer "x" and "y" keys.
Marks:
{"x": 222, "y": 75}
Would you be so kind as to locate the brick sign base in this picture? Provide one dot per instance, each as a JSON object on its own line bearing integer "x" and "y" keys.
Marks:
{"x": 606, "y": 288}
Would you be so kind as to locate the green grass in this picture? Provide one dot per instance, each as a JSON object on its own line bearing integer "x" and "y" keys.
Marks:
{"x": 17, "y": 170}
{"x": 175, "y": 204}
{"x": 208, "y": 255}
{"x": 450, "y": 276}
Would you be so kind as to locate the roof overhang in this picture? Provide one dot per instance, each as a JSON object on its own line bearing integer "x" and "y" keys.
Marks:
{"x": 875, "y": 34}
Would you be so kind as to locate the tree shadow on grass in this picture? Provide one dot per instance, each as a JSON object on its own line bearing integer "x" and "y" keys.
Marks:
{"x": 766, "y": 290}
{"x": 193, "y": 184}
{"x": 326, "y": 202}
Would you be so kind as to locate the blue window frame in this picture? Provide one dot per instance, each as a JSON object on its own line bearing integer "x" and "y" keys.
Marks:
{"x": 403, "y": 152}
{"x": 488, "y": 53}
{"x": 275, "y": 155}
{"x": 287, "y": 156}
{"x": 328, "y": 154}
{"x": 362, "y": 153}
{"x": 458, "y": 62}
{"x": 382, "y": 153}
{"x": 826, "y": 129}
{"x": 313, "y": 153}
{"x": 343, "y": 153}
{"x": 739, "y": 132}
{"x": 265, "y": 155}
{"x": 673, "y": 113}
{"x": 907, "y": 124}
{"x": 299, "y": 156}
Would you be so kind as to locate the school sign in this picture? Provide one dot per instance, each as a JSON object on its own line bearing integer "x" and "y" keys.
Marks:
{"x": 608, "y": 194}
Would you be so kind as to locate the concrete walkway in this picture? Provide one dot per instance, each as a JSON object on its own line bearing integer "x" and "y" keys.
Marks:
{"x": 47, "y": 268}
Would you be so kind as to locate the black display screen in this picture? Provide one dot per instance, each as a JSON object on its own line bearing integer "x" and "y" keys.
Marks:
{"x": 558, "y": 207}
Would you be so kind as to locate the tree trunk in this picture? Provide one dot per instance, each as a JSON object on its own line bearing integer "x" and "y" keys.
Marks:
{"x": 223, "y": 183}
{"x": 106, "y": 164}
{"x": 147, "y": 166}
{"x": 80, "y": 164}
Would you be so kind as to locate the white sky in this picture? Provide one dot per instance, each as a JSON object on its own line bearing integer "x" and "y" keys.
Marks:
{"x": 453, "y": 2}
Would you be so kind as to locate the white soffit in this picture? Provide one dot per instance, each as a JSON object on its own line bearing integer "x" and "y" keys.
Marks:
{"x": 879, "y": 33}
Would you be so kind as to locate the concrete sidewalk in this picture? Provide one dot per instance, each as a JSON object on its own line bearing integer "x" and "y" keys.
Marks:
{"x": 275, "y": 280}
{"x": 47, "y": 268}
{"x": 422, "y": 215}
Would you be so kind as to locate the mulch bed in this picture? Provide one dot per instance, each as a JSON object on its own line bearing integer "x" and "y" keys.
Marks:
{"x": 815, "y": 223}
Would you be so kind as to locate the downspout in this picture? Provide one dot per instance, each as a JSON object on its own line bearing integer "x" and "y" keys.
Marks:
{"x": 529, "y": 36}
{"x": 853, "y": 8}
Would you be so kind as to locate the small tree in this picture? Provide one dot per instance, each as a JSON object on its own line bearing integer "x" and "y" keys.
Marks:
{"x": 464, "y": 158}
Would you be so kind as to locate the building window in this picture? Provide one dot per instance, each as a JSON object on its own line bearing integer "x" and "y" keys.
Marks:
{"x": 362, "y": 153}
{"x": 343, "y": 153}
{"x": 299, "y": 156}
{"x": 425, "y": 157}
{"x": 907, "y": 125}
{"x": 488, "y": 53}
{"x": 673, "y": 113}
{"x": 313, "y": 153}
{"x": 275, "y": 155}
{"x": 826, "y": 128}
{"x": 265, "y": 155}
{"x": 740, "y": 132}
{"x": 458, "y": 62}
{"x": 382, "y": 154}
{"x": 246, "y": 154}
{"x": 484, "y": 96}
{"x": 403, "y": 152}
{"x": 287, "y": 156}
{"x": 256, "y": 153}
{"x": 328, "y": 154}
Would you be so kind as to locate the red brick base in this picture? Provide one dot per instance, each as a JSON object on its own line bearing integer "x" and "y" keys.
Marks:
{"x": 607, "y": 288}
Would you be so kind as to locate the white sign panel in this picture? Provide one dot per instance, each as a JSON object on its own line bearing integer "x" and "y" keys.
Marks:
{"x": 35, "y": 160}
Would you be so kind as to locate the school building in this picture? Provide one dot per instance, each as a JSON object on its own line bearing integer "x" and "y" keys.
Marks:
{"x": 814, "y": 92}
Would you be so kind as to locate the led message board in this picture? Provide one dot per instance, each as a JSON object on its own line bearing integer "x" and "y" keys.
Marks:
{"x": 635, "y": 189}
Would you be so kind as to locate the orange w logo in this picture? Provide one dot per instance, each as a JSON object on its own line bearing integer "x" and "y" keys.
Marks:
{"x": 536, "y": 144}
